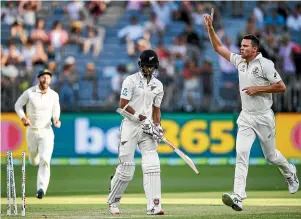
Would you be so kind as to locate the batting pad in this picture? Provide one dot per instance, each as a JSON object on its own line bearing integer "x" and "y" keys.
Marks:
{"x": 153, "y": 188}
{"x": 152, "y": 179}
{"x": 150, "y": 162}
{"x": 124, "y": 174}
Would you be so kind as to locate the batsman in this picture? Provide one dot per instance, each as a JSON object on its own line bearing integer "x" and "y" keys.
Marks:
{"x": 140, "y": 99}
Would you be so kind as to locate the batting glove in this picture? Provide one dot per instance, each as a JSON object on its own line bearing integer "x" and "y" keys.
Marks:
{"x": 159, "y": 133}
{"x": 156, "y": 131}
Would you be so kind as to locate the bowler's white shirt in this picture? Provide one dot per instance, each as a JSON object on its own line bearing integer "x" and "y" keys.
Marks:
{"x": 39, "y": 107}
{"x": 258, "y": 72}
{"x": 142, "y": 96}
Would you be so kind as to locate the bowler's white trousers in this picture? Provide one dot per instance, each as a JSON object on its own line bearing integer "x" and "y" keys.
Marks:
{"x": 261, "y": 125}
{"x": 40, "y": 145}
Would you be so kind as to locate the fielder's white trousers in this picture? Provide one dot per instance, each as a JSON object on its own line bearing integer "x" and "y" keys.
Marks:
{"x": 40, "y": 145}
{"x": 250, "y": 126}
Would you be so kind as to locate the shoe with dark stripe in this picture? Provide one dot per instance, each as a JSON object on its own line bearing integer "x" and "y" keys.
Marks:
{"x": 232, "y": 200}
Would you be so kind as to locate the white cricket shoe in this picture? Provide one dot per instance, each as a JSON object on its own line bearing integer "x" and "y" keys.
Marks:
{"x": 114, "y": 208}
{"x": 293, "y": 182}
{"x": 155, "y": 211}
{"x": 232, "y": 200}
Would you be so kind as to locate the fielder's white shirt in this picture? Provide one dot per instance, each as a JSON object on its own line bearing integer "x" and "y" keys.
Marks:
{"x": 142, "y": 96}
{"x": 39, "y": 107}
{"x": 258, "y": 72}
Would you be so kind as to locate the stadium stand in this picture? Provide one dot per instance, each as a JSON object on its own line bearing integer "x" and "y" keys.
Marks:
{"x": 82, "y": 37}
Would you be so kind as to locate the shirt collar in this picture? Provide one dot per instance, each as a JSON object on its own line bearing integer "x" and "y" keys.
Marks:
{"x": 140, "y": 74}
{"x": 142, "y": 77}
{"x": 259, "y": 55}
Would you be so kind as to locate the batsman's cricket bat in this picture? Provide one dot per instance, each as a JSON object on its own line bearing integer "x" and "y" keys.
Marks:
{"x": 182, "y": 155}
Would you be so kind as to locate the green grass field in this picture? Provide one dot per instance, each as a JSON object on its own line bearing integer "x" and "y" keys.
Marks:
{"x": 80, "y": 192}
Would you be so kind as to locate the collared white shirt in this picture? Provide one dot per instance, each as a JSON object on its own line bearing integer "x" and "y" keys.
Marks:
{"x": 142, "y": 96}
{"x": 258, "y": 72}
{"x": 294, "y": 22}
{"x": 74, "y": 10}
{"x": 134, "y": 32}
{"x": 39, "y": 107}
{"x": 164, "y": 13}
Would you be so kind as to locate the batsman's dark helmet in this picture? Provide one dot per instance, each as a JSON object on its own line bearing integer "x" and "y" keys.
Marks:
{"x": 148, "y": 58}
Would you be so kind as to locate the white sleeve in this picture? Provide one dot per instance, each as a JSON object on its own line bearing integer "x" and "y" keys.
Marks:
{"x": 158, "y": 98}
{"x": 123, "y": 32}
{"x": 127, "y": 89}
{"x": 22, "y": 100}
{"x": 289, "y": 22}
{"x": 56, "y": 108}
{"x": 235, "y": 59}
{"x": 270, "y": 72}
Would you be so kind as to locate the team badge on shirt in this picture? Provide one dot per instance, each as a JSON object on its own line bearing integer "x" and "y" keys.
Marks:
{"x": 255, "y": 71}
{"x": 140, "y": 84}
{"x": 243, "y": 68}
{"x": 153, "y": 87}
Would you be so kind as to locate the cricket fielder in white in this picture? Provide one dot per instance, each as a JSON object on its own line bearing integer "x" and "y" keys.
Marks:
{"x": 42, "y": 103}
{"x": 258, "y": 79}
{"x": 140, "y": 100}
